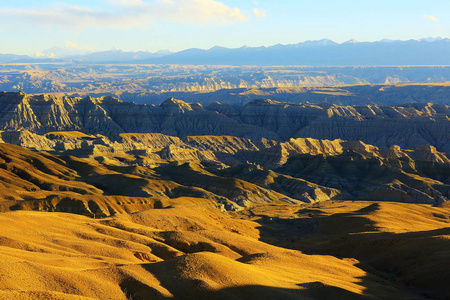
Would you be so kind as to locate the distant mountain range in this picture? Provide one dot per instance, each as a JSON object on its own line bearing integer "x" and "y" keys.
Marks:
{"x": 427, "y": 51}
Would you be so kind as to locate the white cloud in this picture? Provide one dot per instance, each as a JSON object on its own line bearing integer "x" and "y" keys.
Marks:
{"x": 259, "y": 13}
{"x": 72, "y": 45}
{"x": 432, "y": 18}
{"x": 130, "y": 13}
{"x": 44, "y": 55}
{"x": 436, "y": 20}
{"x": 40, "y": 54}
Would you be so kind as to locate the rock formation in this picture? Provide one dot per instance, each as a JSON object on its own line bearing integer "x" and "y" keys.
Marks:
{"x": 408, "y": 126}
{"x": 234, "y": 170}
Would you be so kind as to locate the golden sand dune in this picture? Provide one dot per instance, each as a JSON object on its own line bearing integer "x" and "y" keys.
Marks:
{"x": 191, "y": 250}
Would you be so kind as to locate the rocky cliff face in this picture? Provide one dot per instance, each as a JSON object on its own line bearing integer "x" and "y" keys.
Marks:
{"x": 408, "y": 126}
{"x": 110, "y": 117}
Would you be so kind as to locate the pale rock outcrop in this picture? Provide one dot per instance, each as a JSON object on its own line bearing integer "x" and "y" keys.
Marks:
{"x": 174, "y": 153}
{"x": 150, "y": 140}
{"x": 395, "y": 152}
{"x": 225, "y": 144}
{"x": 27, "y": 139}
{"x": 362, "y": 148}
{"x": 429, "y": 153}
{"x": 173, "y": 105}
{"x": 313, "y": 146}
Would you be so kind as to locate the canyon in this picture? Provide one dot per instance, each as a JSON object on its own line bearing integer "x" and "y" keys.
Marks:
{"x": 106, "y": 199}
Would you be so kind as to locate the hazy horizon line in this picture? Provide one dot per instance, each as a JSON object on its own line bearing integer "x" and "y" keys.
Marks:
{"x": 71, "y": 46}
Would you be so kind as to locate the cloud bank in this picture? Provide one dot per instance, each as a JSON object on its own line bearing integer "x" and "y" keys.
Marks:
{"x": 73, "y": 45}
{"x": 432, "y": 18}
{"x": 259, "y": 13}
{"x": 126, "y": 14}
{"x": 437, "y": 21}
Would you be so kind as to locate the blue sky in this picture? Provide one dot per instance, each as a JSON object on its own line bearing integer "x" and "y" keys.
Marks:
{"x": 30, "y": 26}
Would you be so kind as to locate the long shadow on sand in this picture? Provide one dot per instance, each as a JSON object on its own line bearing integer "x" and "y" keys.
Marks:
{"x": 199, "y": 289}
{"x": 413, "y": 261}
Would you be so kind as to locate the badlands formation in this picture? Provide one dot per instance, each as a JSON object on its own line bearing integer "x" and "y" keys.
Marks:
{"x": 102, "y": 199}
{"x": 406, "y": 125}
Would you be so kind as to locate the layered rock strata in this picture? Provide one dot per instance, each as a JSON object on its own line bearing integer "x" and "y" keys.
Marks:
{"x": 408, "y": 125}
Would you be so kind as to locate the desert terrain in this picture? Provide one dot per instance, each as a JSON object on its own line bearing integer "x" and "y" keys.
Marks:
{"x": 219, "y": 149}
{"x": 222, "y": 202}
{"x": 189, "y": 249}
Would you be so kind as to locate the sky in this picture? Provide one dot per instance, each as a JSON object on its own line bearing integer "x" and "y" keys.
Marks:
{"x": 32, "y": 26}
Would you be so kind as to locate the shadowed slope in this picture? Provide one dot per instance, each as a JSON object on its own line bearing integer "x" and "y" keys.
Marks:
{"x": 408, "y": 243}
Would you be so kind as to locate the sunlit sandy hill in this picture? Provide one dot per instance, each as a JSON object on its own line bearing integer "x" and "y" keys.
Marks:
{"x": 190, "y": 250}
